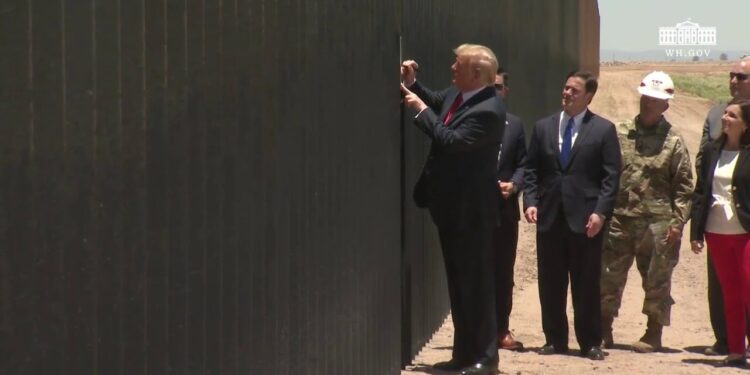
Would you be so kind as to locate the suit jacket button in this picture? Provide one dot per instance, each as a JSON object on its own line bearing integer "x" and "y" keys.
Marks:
{"x": 737, "y": 205}
{"x": 734, "y": 188}
{"x": 427, "y": 173}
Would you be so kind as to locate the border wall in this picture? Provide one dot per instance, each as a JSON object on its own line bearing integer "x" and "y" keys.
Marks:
{"x": 224, "y": 186}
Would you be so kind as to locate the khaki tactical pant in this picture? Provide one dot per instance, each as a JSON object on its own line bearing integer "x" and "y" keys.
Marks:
{"x": 642, "y": 239}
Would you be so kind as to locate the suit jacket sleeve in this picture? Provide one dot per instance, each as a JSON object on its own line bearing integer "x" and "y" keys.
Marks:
{"x": 433, "y": 99}
{"x": 531, "y": 178}
{"x": 611, "y": 166}
{"x": 521, "y": 159}
{"x": 474, "y": 131}
{"x": 700, "y": 197}
{"x": 704, "y": 141}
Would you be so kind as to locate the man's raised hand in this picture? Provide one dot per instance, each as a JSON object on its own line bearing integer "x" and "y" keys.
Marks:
{"x": 409, "y": 72}
{"x": 412, "y": 100}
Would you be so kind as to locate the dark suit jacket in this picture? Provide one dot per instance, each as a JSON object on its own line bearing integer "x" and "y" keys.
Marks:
{"x": 458, "y": 179}
{"x": 589, "y": 183}
{"x": 511, "y": 165}
{"x": 703, "y": 195}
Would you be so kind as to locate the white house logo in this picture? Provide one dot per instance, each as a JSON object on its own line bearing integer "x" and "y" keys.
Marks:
{"x": 687, "y": 34}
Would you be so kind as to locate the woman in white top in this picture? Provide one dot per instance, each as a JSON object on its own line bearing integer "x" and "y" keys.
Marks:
{"x": 721, "y": 214}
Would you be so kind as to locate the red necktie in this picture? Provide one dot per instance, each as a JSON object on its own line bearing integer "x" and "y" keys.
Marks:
{"x": 456, "y": 103}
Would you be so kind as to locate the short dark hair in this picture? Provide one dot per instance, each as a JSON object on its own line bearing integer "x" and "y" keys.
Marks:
{"x": 591, "y": 83}
{"x": 744, "y": 105}
{"x": 502, "y": 72}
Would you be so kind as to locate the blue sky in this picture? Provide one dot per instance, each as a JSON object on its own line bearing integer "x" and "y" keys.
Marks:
{"x": 632, "y": 25}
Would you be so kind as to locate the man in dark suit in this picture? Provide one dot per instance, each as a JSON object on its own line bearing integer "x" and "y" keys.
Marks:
{"x": 572, "y": 176}
{"x": 511, "y": 162}
{"x": 465, "y": 123}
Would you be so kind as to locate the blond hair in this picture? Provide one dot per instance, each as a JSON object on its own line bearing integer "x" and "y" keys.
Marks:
{"x": 482, "y": 59}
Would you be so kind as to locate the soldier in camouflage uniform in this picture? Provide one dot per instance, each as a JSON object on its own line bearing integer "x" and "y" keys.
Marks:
{"x": 651, "y": 209}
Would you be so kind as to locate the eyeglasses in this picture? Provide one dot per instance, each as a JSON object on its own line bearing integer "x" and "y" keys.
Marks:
{"x": 499, "y": 86}
{"x": 739, "y": 76}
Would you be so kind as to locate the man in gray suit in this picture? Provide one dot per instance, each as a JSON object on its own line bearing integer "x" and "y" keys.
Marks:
{"x": 739, "y": 88}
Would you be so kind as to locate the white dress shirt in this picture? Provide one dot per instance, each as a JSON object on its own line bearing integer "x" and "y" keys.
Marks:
{"x": 722, "y": 218}
{"x": 577, "y": 121}
{"x": 467, "y": 95}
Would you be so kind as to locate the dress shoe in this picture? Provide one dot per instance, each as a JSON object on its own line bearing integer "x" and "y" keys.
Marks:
{"x": 716, "y": 349}
{"x": 451, "y": 365}
{"x": 548, "y": 349}
{"x": 734, "y": 360}
{"x": 481, "y": 368}
{"x": 594, "y": 353}
{"x": 508, "y": 342}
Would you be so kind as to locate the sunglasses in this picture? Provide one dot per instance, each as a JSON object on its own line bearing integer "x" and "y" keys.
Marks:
{"x": 499, "y": 86}
{"x": 739, "y": 76}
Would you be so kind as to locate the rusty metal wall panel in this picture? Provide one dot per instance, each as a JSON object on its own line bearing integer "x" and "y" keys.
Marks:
{"x": 328, "y": 192}
{"x": 588, "y": 31}
{"x": 546, "y": 44}
{"x": 17, "y": 255}
{"x": 199, "y": 187}
{"x": 224, "y": 186}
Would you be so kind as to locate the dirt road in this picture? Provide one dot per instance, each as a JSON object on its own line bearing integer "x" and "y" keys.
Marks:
{"x": 690, "y": 332}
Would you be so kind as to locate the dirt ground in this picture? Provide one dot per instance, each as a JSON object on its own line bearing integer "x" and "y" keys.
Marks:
{"x": 690, "y": 331}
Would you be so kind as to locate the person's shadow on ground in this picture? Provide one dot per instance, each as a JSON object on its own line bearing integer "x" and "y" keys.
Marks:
{"x": 712, "y": 362}
{"x": 700, "y": 349}
{"x": 429, "y": 370}
{"x": 668, "y": 350}
{"x": 629, "y": 348}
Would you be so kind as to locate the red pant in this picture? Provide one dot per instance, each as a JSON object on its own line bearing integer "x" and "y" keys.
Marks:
{"x": 730, "y": 254}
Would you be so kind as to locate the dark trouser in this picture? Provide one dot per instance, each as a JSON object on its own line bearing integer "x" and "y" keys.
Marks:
{"x": 468, "y": 263}
{"x": 562, "y": 253}
{"x": 506, "y": 241}
{"x": 716, "y": 306}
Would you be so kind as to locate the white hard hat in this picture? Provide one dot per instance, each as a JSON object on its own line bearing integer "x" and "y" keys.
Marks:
{"x": 657, "y": 85}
